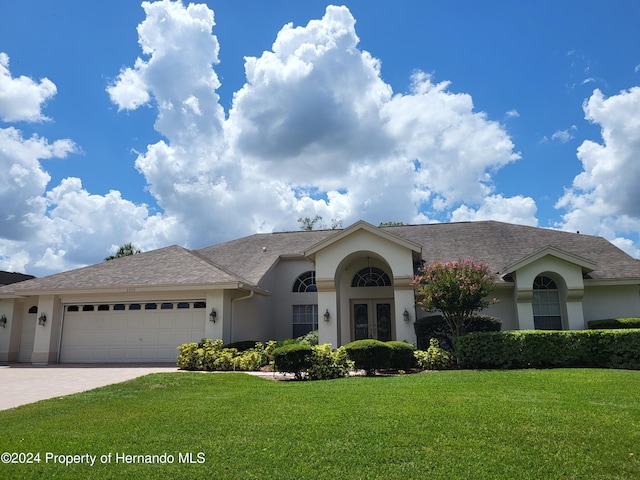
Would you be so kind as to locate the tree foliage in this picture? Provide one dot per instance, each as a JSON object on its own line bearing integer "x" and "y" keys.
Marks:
{"x": 124, "y": 251}
{"x": 316, "y": 223}
{"x": 456, "y": 289}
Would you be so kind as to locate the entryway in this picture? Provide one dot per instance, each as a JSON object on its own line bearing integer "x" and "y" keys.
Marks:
{"x": 372, "y": 318}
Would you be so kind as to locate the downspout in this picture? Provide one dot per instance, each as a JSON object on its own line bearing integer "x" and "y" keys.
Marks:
{"x": 246, "y": 297}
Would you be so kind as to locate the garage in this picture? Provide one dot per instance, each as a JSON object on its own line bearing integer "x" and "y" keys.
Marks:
{"x": 139, "y": 332}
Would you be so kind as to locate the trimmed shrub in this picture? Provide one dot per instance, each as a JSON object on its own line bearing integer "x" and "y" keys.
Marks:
{"x": 484, "y": 323}
{"x": 327, "y": 363}
{"x": 401, "y": 355}
{"x": 242, "y": 346}
{"x": 548, "y": 349}
{"x": 435, "y": 357}
{"x": 295, "y": 358}
{"x": 614, "y": 323}
{"x": 188, "y": 357}
{"x": 368, "y": 355}
{"x": 430, "y": 327}
{"x": 436, "y": 327}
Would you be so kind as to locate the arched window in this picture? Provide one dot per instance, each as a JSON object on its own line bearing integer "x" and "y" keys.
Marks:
{"x": 371, "y": 277}
{"x": 547, "y": 314}
{"x": 306, "y": 282}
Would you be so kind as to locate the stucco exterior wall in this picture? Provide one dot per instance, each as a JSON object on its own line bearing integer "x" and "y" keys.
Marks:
{"x": 505, "y": 309}
{"x": 284, "y": 277}
{"x": 8, "y": 350}
{"x": 613, "y": 301}
{"x": 251, "y": 318}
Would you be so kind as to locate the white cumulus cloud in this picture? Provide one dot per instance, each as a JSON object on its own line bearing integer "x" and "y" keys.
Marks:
{"x": 22, "y": 98}
{"x": 314, "y": 130}
{"x": 604, "y": 198}
{"x": 518, "y": 209}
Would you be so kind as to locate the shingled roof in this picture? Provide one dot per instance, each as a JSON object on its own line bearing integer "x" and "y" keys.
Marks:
{"x": 7, "y": 278}
{"x": 251, "y": 257}
{"x": 172, "y": 265}
{"x": 502, "y": 244}
{"x": 245, "y": 261}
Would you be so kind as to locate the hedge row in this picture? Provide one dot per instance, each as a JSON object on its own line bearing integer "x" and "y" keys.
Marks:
{"x": 436, "y": 327}
{"x": 546, "y": 349}
{"x": 614, "y": 323}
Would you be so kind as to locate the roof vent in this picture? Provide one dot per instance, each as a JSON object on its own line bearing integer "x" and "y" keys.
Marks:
{"x": 264, "y": 249}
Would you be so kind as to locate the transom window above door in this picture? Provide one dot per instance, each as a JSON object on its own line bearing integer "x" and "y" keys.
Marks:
{"x": 371, "y": 277}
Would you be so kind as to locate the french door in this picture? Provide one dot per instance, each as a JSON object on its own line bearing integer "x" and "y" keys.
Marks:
{"x": 372, "y": 319}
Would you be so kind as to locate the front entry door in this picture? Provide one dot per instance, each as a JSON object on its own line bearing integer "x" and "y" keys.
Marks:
{"x": 371, "y": 319}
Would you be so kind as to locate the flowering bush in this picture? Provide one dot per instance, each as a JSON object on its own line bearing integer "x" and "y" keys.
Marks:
{"x": 456, "y": 289}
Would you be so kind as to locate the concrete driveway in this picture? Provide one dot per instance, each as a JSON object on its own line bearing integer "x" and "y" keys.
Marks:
{"x": 22, "y": 383}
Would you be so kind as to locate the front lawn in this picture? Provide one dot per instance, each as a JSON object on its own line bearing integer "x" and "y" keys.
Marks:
{"x": 524, "y": 424}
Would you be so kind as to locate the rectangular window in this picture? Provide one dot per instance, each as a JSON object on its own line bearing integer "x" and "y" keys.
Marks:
{"x": 305, "y": 319}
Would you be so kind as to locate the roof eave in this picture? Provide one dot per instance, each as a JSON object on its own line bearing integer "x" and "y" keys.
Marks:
{"x": 23, "y": 293}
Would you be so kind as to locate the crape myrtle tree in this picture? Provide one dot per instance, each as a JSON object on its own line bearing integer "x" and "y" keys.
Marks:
{"x": 456, "y": 289}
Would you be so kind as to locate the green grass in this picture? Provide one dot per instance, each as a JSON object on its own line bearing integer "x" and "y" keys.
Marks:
{"x": 529, "y": 424}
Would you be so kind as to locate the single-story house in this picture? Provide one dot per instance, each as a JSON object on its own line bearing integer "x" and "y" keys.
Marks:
{"x": 349, "y": 284}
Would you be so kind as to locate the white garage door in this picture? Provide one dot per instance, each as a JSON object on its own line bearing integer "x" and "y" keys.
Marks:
{"x": 138, "y": 332}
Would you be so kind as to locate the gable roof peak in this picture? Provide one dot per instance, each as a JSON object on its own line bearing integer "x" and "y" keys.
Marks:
{"x": 366, "y": 226}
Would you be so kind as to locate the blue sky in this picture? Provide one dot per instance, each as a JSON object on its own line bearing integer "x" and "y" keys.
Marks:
{"x": 163, "y": 123}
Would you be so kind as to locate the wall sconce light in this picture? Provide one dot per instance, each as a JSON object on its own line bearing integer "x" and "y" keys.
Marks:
{"x": 213, "y": 315}
{"x": 3, "y": 320}
{"x": 406, "y": 315}
{"x": 42, "y": 319}
{"x": 326, "y": 315}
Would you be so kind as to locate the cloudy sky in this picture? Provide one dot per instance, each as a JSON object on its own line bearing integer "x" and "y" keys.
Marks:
{"x": 171, "y": 123}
